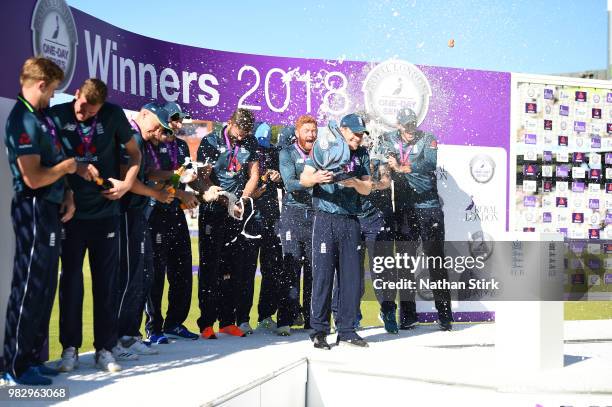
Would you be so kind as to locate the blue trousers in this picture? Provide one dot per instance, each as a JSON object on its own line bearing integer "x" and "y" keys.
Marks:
{"x": 425, "y": 225}
{"x": 100, "y": 237}
{"x": 136, "y": 271}
{"x": 296, "y": 238}
{"x": 37, "y": 229}
{"x": 171, "y": 244}
{"x": 335, "y": 253}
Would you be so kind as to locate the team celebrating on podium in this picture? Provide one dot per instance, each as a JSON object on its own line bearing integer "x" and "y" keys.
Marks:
{"x": 89, "y": 178}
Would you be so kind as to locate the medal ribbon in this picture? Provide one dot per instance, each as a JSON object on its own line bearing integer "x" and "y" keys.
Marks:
{"x": 87, "y": 139}
{"x": 232, "y": 165}
{"x": 153, "y": 155}
{"x": 301, "y": 152}
{"x": 173, "y": 151}
{"x": 404, "y": 159}
{"x": 350, "y": 167}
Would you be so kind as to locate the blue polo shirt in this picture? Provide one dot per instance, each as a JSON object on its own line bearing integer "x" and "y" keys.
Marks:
{"x": 419, "y": 188}
{"x": 230, "y": 165}
{"x": 337, "y": 199}
{"x": 291, "y": 164}
{"x": 165, "y": 153}
{"x": 30, "y": 132}
{"x": 105, "y": 133}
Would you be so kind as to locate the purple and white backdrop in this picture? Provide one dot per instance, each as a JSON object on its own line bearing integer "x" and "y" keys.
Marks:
{"x": 468, "y": 110}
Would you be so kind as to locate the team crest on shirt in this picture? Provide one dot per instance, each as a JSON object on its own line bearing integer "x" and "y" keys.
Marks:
{"x": 86, "y": 156}
{"x": 25, "y": 140}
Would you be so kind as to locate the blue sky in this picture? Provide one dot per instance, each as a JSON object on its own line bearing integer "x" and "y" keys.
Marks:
{"x": 537, "y": 36}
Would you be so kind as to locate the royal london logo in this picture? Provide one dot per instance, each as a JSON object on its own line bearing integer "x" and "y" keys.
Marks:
{"x": 480, "y": 213}
{"x": 395, "y": 84}
{"x": 54, "y": 36}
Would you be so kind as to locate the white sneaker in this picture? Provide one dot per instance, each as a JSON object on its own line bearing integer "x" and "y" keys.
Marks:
{"x": 70, "y": 360}
{"x": 283, "y": 330}
{"x": 106, "y": 361}
{"x": 136, "y": 345}
{"x": 267, "y": 323}
{"x": 246, "y": 328}
{"x": 120, "y": 353}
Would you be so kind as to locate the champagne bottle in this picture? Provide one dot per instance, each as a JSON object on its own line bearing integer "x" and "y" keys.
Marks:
{"x": 103, "y": 183}
{"x": 266, "y": 176}
{"x": 175, "y": 179}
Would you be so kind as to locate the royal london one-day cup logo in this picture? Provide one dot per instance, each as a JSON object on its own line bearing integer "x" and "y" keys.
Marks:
{"x": 392, "y": 85}
{"x": 54, "y": 36}
{"x": 482, "y": 168}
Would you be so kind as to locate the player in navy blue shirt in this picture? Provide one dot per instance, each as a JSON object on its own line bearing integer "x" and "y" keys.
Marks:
{"x": 92, "y": 130}
{"x": 296, "y": 222}
{"x": 336, "y": 237}
{"x": 234, "y": 167}
{"x": 170, "y": 239}
{"x": 136, "y": 273}
{"x": 38, "y": 166}
{"x": 267, "y": 248}
{"x": 412, "y": 156}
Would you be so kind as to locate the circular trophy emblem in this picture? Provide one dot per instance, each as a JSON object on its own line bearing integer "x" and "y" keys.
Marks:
{"x": 595, "y": 219}
{"x": 578, "y": 203}
{"x": 530, "y": 92}
{"x": 395, "y": 84}
{"x": 54, "y": 36}
{"x": 547, "y": 109}
{"x": 596, "y": 98}
{"x": 482, "y": 168}
{"x": 481, "y": 244}
{"x": 563, "y": 125}
{"x": 562, "y": 186}
{"x": 579, "y": 141}
{"x": 529, "y": 216}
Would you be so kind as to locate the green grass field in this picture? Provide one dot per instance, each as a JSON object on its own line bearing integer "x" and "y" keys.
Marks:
{"x": 573, "y": 311}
